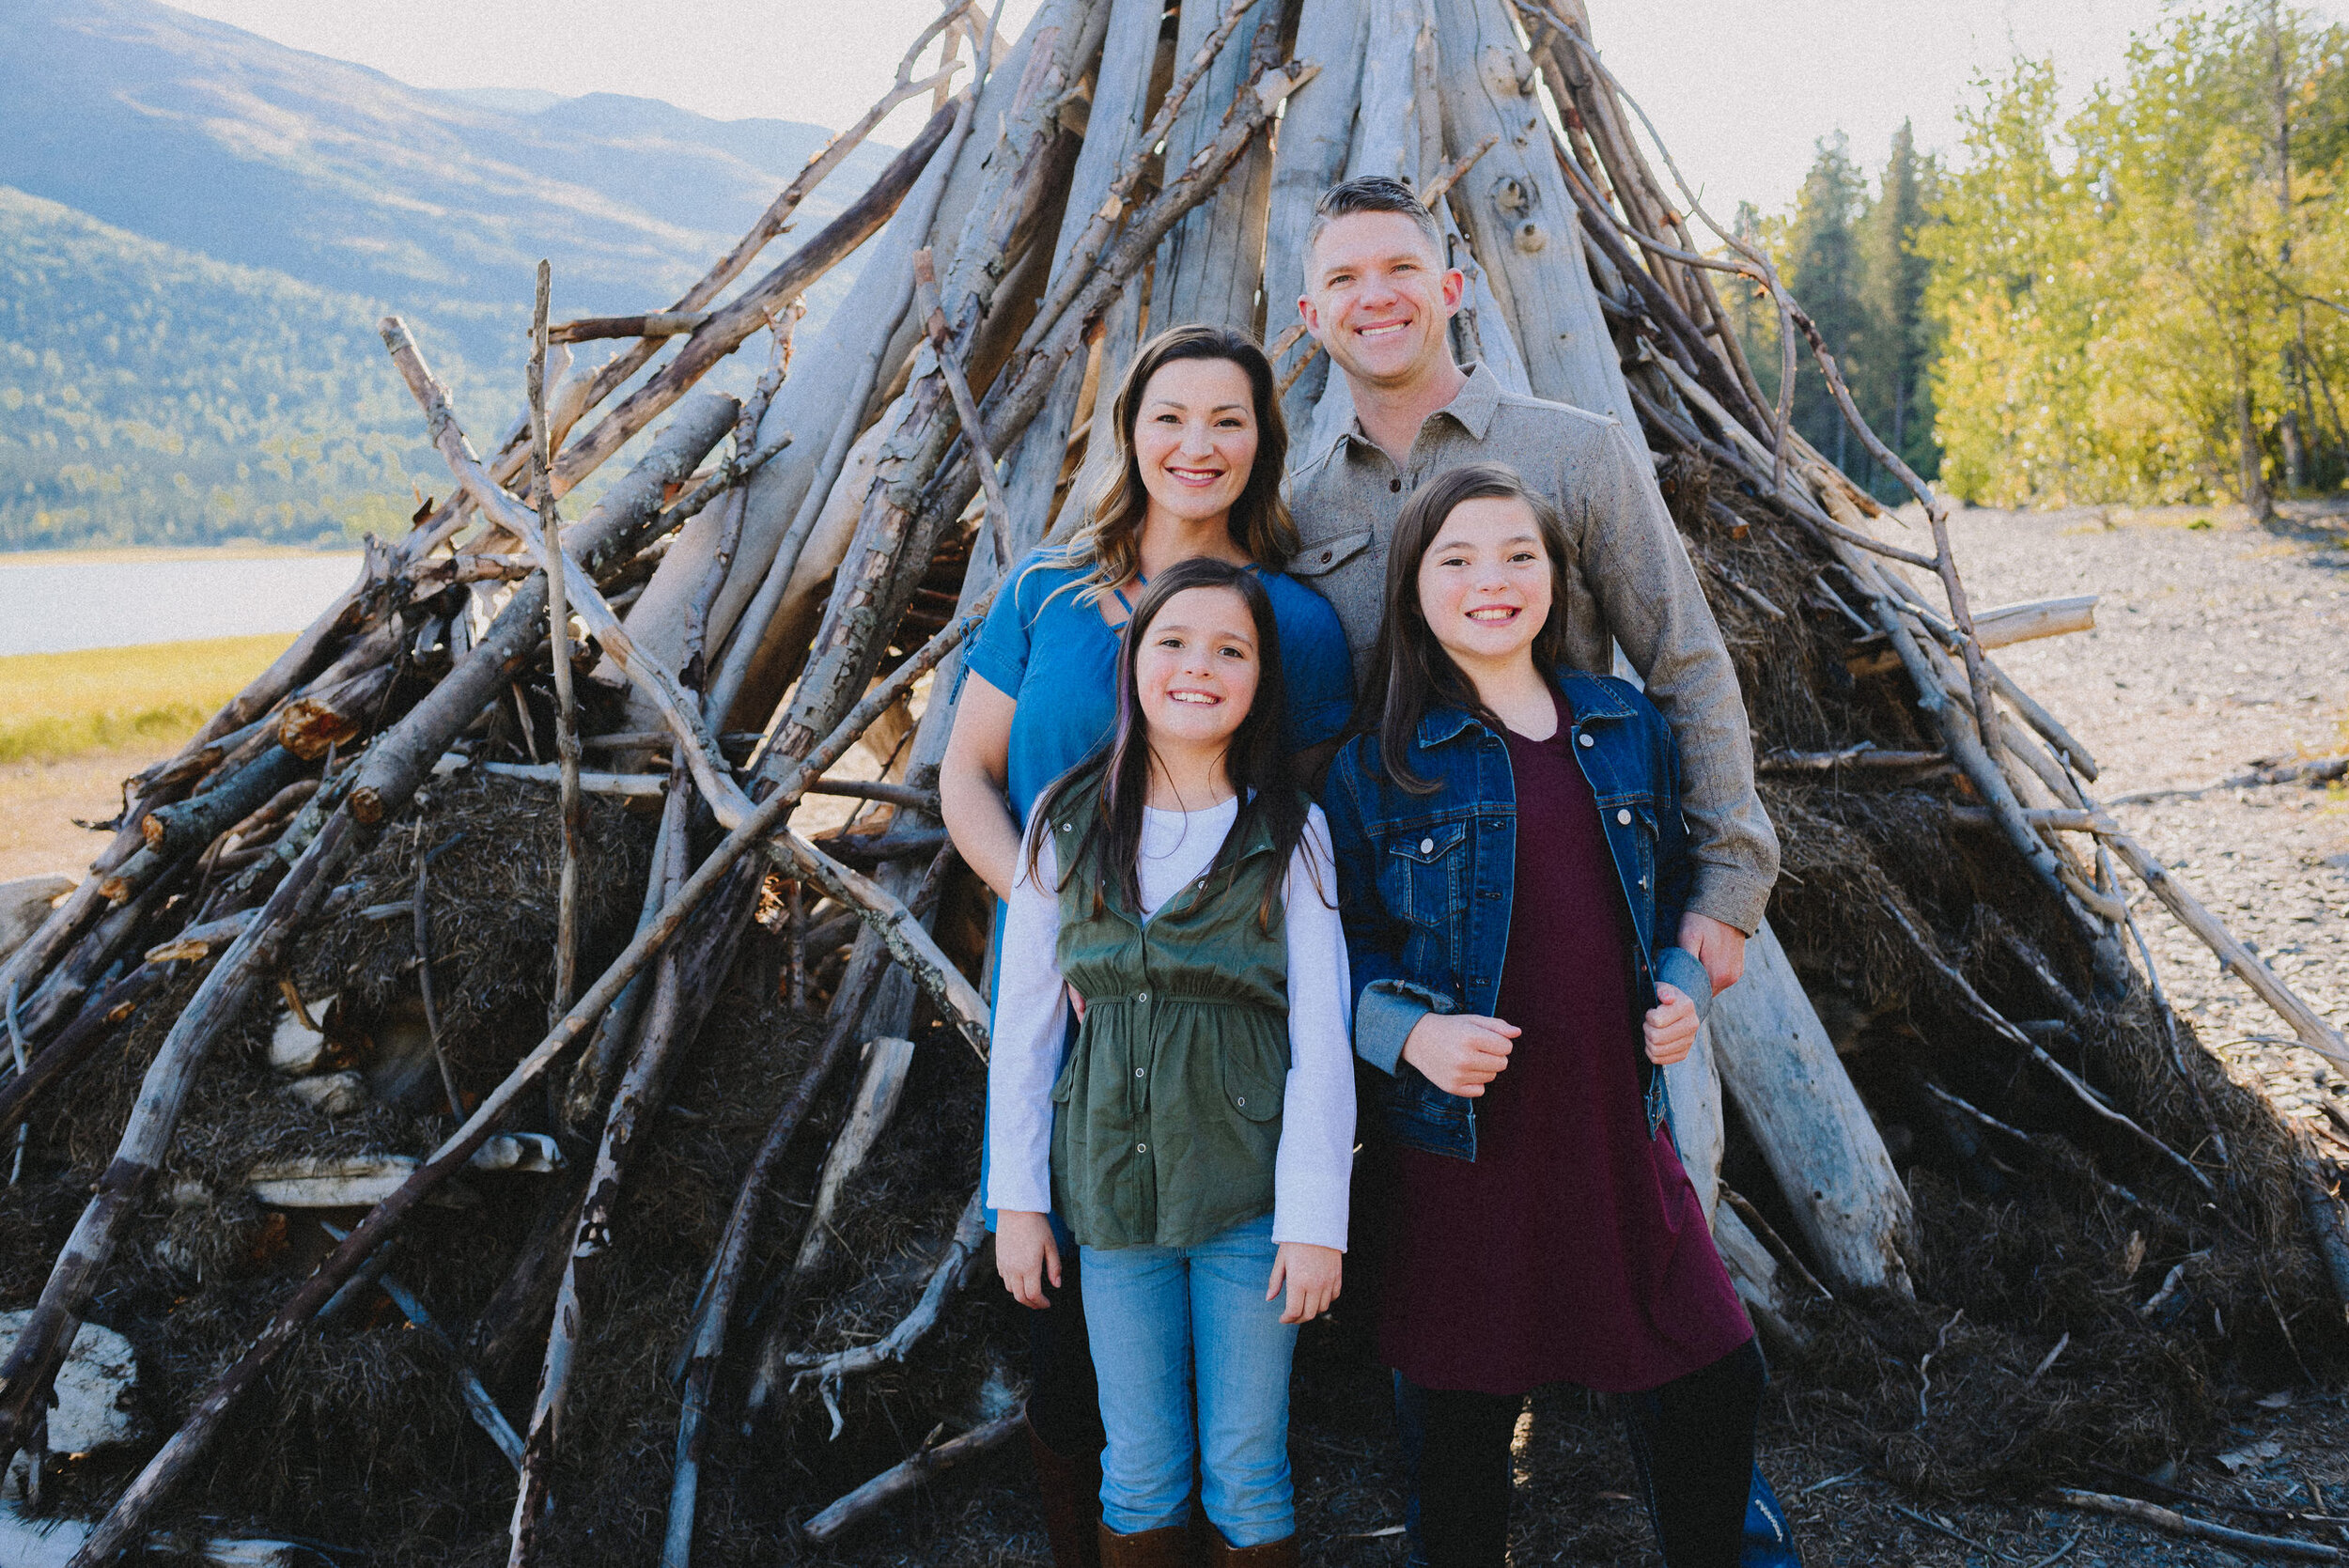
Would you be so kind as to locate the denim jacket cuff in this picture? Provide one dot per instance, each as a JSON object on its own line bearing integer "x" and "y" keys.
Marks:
{"x": 1385, "y": 1016}
{"x": 1679, "y": 967}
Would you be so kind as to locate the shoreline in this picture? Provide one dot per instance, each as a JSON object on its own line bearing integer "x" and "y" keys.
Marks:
{"x": 113, "y": 555}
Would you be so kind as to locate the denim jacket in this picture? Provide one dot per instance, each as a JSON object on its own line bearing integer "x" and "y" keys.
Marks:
{"x": 1424, "y": 883}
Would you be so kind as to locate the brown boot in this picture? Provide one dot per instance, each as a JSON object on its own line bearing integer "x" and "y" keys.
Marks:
{"x": 1169, "y": 1548}
{"x": 1071, "y": 1485}
{"x": 1271, "y": 1553}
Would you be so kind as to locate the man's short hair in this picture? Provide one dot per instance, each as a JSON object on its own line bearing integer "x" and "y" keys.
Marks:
{"x": 1371, "y": 192}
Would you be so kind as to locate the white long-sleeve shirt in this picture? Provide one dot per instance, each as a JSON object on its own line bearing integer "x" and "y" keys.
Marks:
{"x": 1315, "y": 1161}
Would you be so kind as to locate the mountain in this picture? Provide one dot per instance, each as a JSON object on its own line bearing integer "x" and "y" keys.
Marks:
{"x": 152, "y": 396}
{"x": 214, "y": 140}
{"x": 204, "y": 227}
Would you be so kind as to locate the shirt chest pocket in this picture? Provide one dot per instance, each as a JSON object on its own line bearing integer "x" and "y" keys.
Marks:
{"x": 1424, "y": 875}
{"x": 1325, "y": 556}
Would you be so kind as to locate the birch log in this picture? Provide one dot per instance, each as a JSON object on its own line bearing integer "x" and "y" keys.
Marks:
{"x": 1208, "y": 269}
{"x": 1781, "y": 1068}
{"x": 1308, "y": 157}
{"x": 1521, "y": 219}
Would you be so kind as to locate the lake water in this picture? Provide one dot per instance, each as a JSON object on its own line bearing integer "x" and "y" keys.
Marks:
{"x": 58, "y": 606}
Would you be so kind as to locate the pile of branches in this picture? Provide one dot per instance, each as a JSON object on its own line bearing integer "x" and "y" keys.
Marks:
{"x": 428, "y": 1077}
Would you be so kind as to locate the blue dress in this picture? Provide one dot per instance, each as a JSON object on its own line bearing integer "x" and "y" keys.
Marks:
{"x": 1055, "y": 657}
{"x": 1067, "y": 698}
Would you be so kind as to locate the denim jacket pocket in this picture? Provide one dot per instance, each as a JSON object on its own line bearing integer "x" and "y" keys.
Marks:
{"x": 1423, "y": 873}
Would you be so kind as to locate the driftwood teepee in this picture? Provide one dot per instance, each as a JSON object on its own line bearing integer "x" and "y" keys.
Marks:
{"x": 446, "y": 814}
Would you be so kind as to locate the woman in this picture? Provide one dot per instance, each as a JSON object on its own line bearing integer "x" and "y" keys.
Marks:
{"x": 1197, "y": 1134}
{"x": 1512, "y": 863}
{"x": 1197, "y": 448}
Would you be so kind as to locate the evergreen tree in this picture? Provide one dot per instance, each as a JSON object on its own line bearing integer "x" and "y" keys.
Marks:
{"x": 1822, "y": 269}
{"x": 1894, "y": 386}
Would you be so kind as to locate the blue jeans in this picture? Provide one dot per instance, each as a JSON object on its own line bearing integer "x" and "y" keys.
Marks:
{"x": 1162, "y": 1320}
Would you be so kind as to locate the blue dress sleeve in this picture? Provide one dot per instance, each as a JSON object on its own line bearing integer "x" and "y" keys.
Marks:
{"x": 1316, "y": 668}
{"x": 998, "y": 653}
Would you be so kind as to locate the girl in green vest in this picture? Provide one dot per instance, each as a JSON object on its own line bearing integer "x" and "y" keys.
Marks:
{"x": 1197, "y": 1136}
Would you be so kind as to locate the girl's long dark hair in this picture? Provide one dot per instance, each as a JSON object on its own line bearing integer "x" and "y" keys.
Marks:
{"x": 1409, "y": 672}
{"x": 1254, "y": 763}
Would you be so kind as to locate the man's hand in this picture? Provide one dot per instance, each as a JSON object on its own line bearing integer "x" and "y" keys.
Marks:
{"x": 1026, "y": 1255}
{"x": 1721, "y": 948}
{"x": 1671, "y": 1026}
{"x": 1310, "y": 1274}
{"x": 1459, "y": 1052}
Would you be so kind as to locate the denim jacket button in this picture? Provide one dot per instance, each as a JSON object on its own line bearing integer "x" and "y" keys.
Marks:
{"x": 1623, "y": 817}
{"x": 1586, "y": 740}
{"x": 1427, "y": 847}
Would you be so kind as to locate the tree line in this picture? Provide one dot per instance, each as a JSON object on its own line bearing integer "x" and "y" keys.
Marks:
{"x": 2144, "y": 300}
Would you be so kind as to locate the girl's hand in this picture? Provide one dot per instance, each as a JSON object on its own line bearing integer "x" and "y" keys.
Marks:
{"x": 1671, "y": 1026}
{"x": 1459, "y": 1052}
{"x": 1311, "y": 1273}
{"x": 1026, "y": 1255}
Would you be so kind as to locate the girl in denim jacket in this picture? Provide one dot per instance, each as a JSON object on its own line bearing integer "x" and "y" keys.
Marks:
{"x": 1510, "y": 852}
{"x": 1197, "y": 1134}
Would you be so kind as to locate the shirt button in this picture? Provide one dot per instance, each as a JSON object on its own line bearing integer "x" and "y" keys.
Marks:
{"x": 1623, "y": 817}
{"x": 1585, "y": 739}
{"x": 1427, "y": 847}
{"x": 1395, "y": 484}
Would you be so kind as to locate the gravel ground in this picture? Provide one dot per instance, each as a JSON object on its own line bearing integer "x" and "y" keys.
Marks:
{"x": 2218, "y": 645}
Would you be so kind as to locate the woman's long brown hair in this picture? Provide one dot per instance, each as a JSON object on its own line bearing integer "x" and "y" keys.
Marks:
{"x": 1105, "y": 547}
{"x": 1409, "y": 672}
{"x": 1254, "y": 763}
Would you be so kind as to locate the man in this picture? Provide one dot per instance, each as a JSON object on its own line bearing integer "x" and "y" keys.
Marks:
{"x": 1378, "y": 298}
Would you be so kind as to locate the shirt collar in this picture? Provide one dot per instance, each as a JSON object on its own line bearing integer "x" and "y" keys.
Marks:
{"x": 1473, "y": 408}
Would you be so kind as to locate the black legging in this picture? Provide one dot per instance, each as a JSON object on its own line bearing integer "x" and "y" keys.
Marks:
{"x": 1691, "y": 1440}
{"x": 1065, "y": 1402}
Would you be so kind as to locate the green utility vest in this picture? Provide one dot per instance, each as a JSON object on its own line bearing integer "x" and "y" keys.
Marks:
{"x": 1167, "y": 1113}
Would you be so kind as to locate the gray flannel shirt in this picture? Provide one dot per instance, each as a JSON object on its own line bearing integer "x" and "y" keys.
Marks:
{"x": 1629, "y": 582}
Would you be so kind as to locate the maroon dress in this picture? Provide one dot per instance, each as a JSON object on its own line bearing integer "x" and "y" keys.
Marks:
{"x": 1574, "y": 1248}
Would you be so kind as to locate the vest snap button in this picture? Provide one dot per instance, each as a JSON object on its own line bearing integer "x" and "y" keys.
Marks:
{"x": 1241, "y": 1100}
{"x": 1585, "y": 741}
{"x": 1427, "y": 847}
{"x": 1139, "y": 1072}
{"x": 1623, "y": 817}
{"x": 1142, "y": 1148}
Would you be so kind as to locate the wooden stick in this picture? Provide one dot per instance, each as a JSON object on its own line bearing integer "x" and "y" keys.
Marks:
{"x": 2007, "y": 624}
{"x": 748, "y": 311}
{"x": 660, "y": 686}
{"x": 420, "y": 902}
{"x": 966, "y": 406}
{"x": 2174, "y": 1523}
{"x": 908, "y": 940}
{"x": 550, "y": 543}
{"x": 2306, "y": 1023}
{"x": 1864, "y": 754}
{"x": 658, "y": 323}
{"x": 126, "y": 1521}
{"x": 640, "y": 1090}
{"x": 953, "y": 1271}
{"x": 2000, "y": 1024}
{"x": 692, "y": 667}
{"x": 900, "y": 1479}
{"x": 611, "y": 377}
{"x": 478, "y": 1402}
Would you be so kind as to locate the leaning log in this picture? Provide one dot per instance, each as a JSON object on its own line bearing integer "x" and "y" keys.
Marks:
{"x": 1780, "y": 1070}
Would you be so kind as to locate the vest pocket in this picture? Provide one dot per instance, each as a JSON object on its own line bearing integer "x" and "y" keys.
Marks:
{"x": 1254, "y": 1087}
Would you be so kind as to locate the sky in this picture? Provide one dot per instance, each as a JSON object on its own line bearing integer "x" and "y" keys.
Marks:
{"x": 1742, "y": 90}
